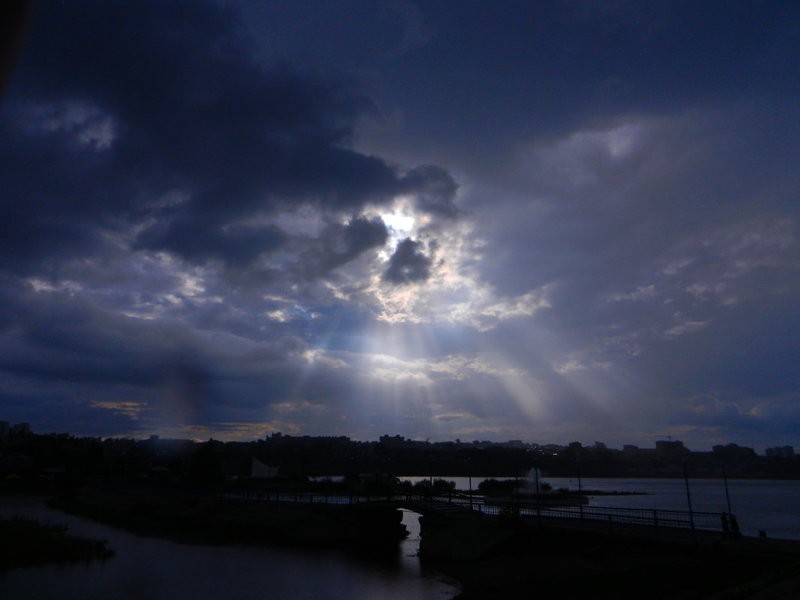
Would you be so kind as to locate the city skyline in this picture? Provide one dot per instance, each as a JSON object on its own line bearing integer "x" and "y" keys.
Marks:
{"x": 22, "y": 430}
{"x": 538, "y": 221}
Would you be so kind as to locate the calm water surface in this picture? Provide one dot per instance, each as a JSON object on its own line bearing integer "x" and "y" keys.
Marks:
{"x": 759, "y": 505}
{"x": 156, "y": 568}
{"x": 146, "y": 568}
{"x": 772, "y": 506}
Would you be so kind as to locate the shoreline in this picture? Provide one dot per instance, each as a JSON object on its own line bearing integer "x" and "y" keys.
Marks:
{"x": 30, "y": 543}
{"x": 626, "y": 569}
{"x": 210, "y": 520}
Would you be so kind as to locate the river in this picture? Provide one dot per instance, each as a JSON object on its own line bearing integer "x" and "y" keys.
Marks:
{"x": 759, "y": 505}
{"x": 155, "y": 568}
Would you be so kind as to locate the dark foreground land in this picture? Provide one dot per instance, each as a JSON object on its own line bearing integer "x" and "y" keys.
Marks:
{"x": 207, "y": 518}
{"x": 559, "y": 564}
{"x": 26, "y": 542}
{"x": 491, "y": 558}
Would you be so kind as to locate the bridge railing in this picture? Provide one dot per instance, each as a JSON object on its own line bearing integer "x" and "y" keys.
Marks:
{"x": 631, "y": 516}
{"x": 654, "y": 518}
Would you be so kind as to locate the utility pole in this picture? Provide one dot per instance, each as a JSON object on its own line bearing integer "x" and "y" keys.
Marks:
{"x": 689, "y": 500}
{"x": 727, "y": 494}
{"x": 580, "y": 489}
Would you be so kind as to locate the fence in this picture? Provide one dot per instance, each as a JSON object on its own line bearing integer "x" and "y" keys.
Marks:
{"x": 675, "y": 519}
{"x": 652, "y": 518}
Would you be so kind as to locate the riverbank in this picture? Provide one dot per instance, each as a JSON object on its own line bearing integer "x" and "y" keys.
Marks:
{"x": 209, "y": 519}
{"x": 155, "y": 567}
{"x": 28, "y": 543}
{"x": 554, "y": 564}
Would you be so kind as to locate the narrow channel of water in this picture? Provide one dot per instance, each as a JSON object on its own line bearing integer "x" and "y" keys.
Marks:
{"x": 154, "y": 568}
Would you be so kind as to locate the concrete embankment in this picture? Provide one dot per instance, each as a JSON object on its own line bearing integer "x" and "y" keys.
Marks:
{"x": 210, "y": 519}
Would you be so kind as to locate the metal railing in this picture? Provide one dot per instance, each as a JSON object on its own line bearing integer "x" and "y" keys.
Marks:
{"x": 630, "y": 516}
{"x": 642, "y": 517}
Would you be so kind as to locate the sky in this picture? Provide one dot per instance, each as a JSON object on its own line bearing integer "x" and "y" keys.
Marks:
{"x": 551, "y": 221}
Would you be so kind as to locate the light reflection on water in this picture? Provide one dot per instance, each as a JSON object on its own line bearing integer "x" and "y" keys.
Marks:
{"x": 161, "y": 569}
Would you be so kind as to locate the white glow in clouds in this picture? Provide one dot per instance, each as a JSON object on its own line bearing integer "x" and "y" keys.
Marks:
{"x": 400, "y": 225}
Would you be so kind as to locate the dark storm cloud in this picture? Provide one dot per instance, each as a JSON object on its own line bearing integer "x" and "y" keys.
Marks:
{"x": 198, "y": 240}
{"x": 434, "y": 189}
{"x": 62, "y": 346}
{"x": 339, "y": 244}
{"x": 14, "y": 15}
{"x": 408, "y": 264}
{"x": 114, "y": 109}
{"x": 553, "y": 67}
{"x": 191, "y": 234}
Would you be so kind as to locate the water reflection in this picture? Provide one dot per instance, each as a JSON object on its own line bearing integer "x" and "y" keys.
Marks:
{"x": 156, "y": 568}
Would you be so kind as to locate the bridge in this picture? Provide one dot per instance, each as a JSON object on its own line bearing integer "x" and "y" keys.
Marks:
{"x": 696, "y": 526}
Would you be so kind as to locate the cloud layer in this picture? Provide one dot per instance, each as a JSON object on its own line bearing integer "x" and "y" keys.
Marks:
{"x": 568, "y": 221}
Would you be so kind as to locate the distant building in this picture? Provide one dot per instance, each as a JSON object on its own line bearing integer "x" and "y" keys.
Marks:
{"x": 551, "y": 449}
{"x": 734, "y": 452}
{"x": 21, "y": 429}
{"x": 781, "y": 452}
{"x": 392, "y": 441}
{"x": 513, "y": 444}
{"x": 672, "y": 449}
{"x": 5, "y": 427}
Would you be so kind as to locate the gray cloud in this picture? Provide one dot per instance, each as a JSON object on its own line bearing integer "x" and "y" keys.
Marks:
{"x": 434, "y": 189}
{"x": 408, "y": 264}
{"x": 195, "y": 220}
{"x": 339, "y": 244}
{"x": 122, "y": 125}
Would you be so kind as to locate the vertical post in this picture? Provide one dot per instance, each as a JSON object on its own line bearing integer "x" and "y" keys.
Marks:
{"x": 538, "y": 508}
{"x": 470, "y": 490}
{"x": 430, "y": 478}
{"x": 580, "y": 489}
{"x": 727, "y": 494}
{"x": 689, "y": 498}
{"x": 430, "y": 489}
